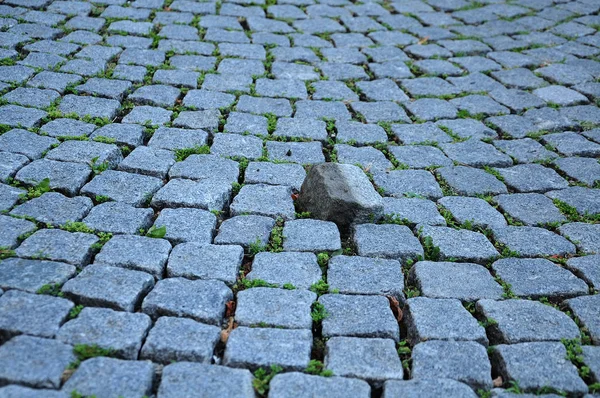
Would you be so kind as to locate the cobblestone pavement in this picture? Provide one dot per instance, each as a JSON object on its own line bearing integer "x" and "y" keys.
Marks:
{"x": 151, "y": 154}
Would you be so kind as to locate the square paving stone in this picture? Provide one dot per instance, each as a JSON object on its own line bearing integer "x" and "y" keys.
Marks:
{"x": 413, "y": 210}
{"x": 151, "y": 115}
{"x": 383, "y": 111}
{"x": 572, "y": 144}
{"x": 118, "y": 218}
{"x": 427, "y": 388}
{"x": 289, "y": 174}
{"x": 53, "y": 80}
{"x": 179, "y": 78}
{"x": 18, "y": 116}
{"x": 591, "y": 357}
{"x": 322, "y": 109}
{"x": 586, "y": 310}
{"x": 67, "y": 128}
{"x": 584, "y": 200}
{"x": 298, "y": 269}
{"x": 110, "y": 376}
{"x": 229, "y": 145}
{"x": 86, "y": 152}
{"x": 449, "y": 280}
{"x": 53, "y": 208}
{"x": 10, "y": 163}
{"x": 201, "y": 300}
{"x": 431, "y": 109}
{"x": 240, "y": 123}
{"x": 123, "y": 134}
{"x": 31, "y": 314}
{"x": 420, "y": 156}
{"x": 34, "y": 361}
{"x": 386, "y": 240}
{"x": 460, "y": 245}
{"x": 513, "y": 125}
{"x": 581, "y": 169}
{"x": 476, "y": 153}
{"x": 31, "y": 97}
{"x": 464, "y": 361}
{"x": 121, "y": 332}
{"x": 129, "y": 188}
{"x": 533, "y": 241}
{"x": 204, "y": 99}
{"x": 173, "y": 139}
{"x": 525, "y": 150}
{"x": 113, "y": 287}
{"x": 480, "y": 105}
{"x": 180, "y": 339}
{"x": 204, "y": 194}
{"x": 264, "y": 200}
{"x": 468, "y": 128}
{"x": 301, "y": 128}
{"x": 311, "y": 235}
{"x": 364, "y": 275}
{"x": 187, "y": 225}
{"x": 186, "y": 379}
{"x": 24, "y": 142}
{"x": 14, "y": 390}
{"x": 202, "y": 167}
{"x": 261, "y": 347}
{"x": 537, "y": 365}
{"x": 278, "y": 107}
{"x": 93, "y": 106}
{"x": 587, "y": 268}
{"x": 420, "y": 133}
{"x": 245, "y": 230}
{"x": 284, "y": 384}
{"x": 135, "y": 252}
{"x": 400, "y": 183}
{"x": 109, "y": 88}
{"x": 296, "y": 152}
{"x": 31, "y": 275}
{"x": 471, "y": 181}
{"x": 560, "y": 95}
{"x": 195, "y": 260}
{"x": 269, "y": 307}
{"x": 207, "y": 119}
{"x": 11, "y": 229}
{"x": 148, "y": 161}
{"x": 530, "y": 208}
{"x": 441, "y": 319}
{"x": 476, "y": 211}
{"x": 58, "y": 245}
{"x": 519, "y": 321}
{"x": 360, "y": 133}
{"x": 358, "y": 316}
{"x": 373, "y": 360}
{"x": 585, "y": 236}
{"x": 9, "y": 195}
{"x": 336, "y": 90}
{"x": 536, "y": 278}
{"x": 157, "y": 95}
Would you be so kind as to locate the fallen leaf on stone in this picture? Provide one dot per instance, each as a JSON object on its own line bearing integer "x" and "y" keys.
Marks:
{"x": 498, "y": 381}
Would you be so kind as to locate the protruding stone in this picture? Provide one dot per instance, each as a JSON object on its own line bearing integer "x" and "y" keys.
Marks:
{"x": 340, "y": 193}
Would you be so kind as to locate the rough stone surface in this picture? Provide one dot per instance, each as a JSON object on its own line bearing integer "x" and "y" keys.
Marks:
{"x": 428, "y": 277}
{"x": 179, "y": 339}
{"x": 120, "y": 332}
{"x": 110, "y": 376}
{"x": 261, "y": 347}
{"x": 464, "y": 361}
{"x": 186, "y": 378}
{"x": 339, "y": 193}
{"x": 538, "y": 365}
{"x": 358, "y": 316}
{"x": 373, "y": 360}
{"x": 441, "y": 319}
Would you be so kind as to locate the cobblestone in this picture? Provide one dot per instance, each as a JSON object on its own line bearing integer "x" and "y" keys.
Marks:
{"x": 191, "y": 132}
